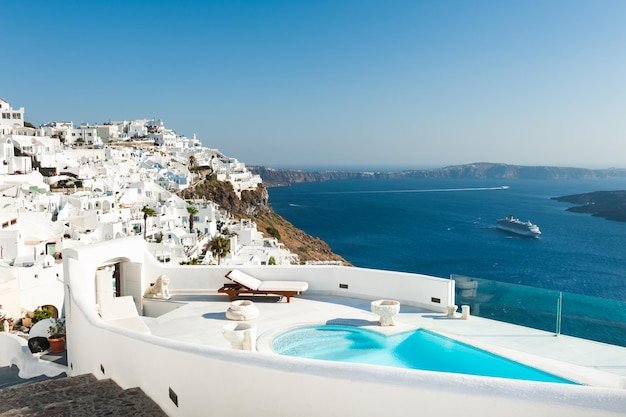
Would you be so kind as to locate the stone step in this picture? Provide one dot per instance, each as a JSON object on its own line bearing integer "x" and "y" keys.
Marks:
{"x": 82, "y": 395}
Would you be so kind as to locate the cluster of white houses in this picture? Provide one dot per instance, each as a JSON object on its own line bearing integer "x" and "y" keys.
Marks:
{"x": 109, "y": 173}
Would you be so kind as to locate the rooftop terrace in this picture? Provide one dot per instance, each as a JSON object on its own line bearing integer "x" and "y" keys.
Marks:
{"x": 182, "y": 361}
{"x": 199, "y": 319}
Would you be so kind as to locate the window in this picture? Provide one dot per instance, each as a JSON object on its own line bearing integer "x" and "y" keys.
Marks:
{"x": 6, "y": 115}
{"x": 17, "y": 116}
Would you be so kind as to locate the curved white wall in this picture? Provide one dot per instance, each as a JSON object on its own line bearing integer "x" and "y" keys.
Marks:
{"x": 219, "y": 382}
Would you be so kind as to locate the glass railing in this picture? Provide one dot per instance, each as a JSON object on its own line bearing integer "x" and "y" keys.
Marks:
{"x": 559, "y": 312}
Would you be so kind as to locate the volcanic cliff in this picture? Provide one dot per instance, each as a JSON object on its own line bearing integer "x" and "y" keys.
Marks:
{"x": 255, "y": 205}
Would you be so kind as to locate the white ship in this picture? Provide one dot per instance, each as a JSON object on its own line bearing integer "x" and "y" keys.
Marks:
{"x": 513, "y": 225}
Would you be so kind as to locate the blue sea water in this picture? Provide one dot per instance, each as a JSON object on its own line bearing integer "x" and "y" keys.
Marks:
{"x": 445, "y": 227}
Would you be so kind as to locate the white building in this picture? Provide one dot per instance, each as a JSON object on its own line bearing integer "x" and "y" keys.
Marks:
{"x": 57, "y": 129}
{"x": 82, "y": 135}
{"x": 175, "y": 351}
{"x": 248, "y": 247}
{"x": 10, "y": 118}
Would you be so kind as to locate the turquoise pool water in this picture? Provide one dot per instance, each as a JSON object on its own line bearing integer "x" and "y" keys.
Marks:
{"x": 419, "y": 349}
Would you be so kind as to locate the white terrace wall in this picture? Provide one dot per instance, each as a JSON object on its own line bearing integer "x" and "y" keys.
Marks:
{"x": 414, "y": 289}
{"x": 40, "y": 286}
{"x": 219, "y": 382}
{"x": 210, "y": 381}
{"x": 29, "y": 288}
{"x": 10, "y": 295}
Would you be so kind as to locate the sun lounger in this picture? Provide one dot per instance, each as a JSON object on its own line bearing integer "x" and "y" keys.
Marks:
{"x": 246, "y": 284}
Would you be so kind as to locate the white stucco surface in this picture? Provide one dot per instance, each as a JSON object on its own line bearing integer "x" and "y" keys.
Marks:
{"x": 14, "y": 351}
{"x": 592, "y": 363}
{"x": 186, "y": 352}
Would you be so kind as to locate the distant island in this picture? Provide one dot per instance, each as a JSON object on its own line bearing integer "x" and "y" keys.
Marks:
{"x": 481, "y": 170}
{"x": 610, "y": 205}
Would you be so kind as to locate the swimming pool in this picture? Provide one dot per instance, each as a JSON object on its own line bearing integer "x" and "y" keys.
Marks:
{"x": 419, "y": 349}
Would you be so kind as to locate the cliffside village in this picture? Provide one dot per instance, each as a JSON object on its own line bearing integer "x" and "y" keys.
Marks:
{"x": 64, "y": 186}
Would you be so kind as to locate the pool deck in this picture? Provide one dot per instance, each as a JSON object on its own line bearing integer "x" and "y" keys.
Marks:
{"x": 200, "y": 321}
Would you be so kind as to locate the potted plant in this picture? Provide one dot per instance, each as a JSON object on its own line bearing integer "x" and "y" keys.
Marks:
{"x": 57, "y": 336}
{"x": 41, "y": 313}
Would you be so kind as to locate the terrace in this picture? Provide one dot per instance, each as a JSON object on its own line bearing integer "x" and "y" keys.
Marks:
{"x": 199, "y": 319}
{"x": 185, "y": 364}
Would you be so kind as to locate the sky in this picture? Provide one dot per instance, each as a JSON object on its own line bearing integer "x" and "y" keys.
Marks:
{"x": 334, "y": 83}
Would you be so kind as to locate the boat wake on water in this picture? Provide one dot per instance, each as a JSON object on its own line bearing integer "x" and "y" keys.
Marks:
{"x": 432, "y": 190}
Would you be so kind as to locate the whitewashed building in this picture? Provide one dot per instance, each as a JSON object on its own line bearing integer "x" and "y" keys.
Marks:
{"x": 10, "y": 118}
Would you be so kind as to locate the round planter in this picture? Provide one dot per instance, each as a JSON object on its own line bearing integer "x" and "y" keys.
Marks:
{"x": 386, "y": 310}
{"x": 242, "y": 310}
{"x": 57, "y": 344}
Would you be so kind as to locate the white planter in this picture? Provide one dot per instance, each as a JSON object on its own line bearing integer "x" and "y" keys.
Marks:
{"x": 242, "y": 310}
{"x": 386, "y": 310}
{"x": 465, "y": 312}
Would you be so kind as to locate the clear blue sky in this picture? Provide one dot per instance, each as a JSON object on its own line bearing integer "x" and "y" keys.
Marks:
{"x": 330, "y": 83}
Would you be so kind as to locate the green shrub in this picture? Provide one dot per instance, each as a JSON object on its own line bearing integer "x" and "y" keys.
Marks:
{"x": 42, "y": 313}
{"x": 57, "y": 328}
{"x": 273, "y": 232}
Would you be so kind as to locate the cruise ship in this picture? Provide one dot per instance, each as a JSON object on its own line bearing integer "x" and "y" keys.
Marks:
{"x": 513, "y": 225}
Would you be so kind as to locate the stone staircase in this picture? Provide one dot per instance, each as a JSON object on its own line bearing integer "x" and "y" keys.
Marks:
{"x": 82, "y": 395}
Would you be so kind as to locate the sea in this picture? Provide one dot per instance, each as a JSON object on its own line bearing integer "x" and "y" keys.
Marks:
{"x": 447, "y": 228}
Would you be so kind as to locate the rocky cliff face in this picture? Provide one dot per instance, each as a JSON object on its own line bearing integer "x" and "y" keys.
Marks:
{"x": 251, "y": 203}
{"x": 486, "y": 170}
{"x": 483, "y": 170}
{"x": 281, "y": 177}
{"x": 254, "y": 205}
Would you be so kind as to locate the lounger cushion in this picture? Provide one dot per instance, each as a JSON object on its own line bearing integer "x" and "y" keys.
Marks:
{"x": 283, "y": 286}
{"x": 246, "y": 284}
{"x": 244, "y": 279}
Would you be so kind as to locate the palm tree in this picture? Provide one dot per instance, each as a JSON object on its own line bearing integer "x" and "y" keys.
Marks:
{"x": 147, "y": 212}
{"x": 192, "y": 212}
{"x": 219, "y": 247}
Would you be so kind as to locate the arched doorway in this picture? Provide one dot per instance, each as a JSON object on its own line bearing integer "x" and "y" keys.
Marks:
{"x": 120, "y": 277}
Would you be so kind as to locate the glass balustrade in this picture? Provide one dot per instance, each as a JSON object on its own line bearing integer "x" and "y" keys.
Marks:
{"x": 592, "y": 318}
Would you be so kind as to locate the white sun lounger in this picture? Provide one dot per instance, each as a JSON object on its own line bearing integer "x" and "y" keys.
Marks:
{"x": 246, "y": 284}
